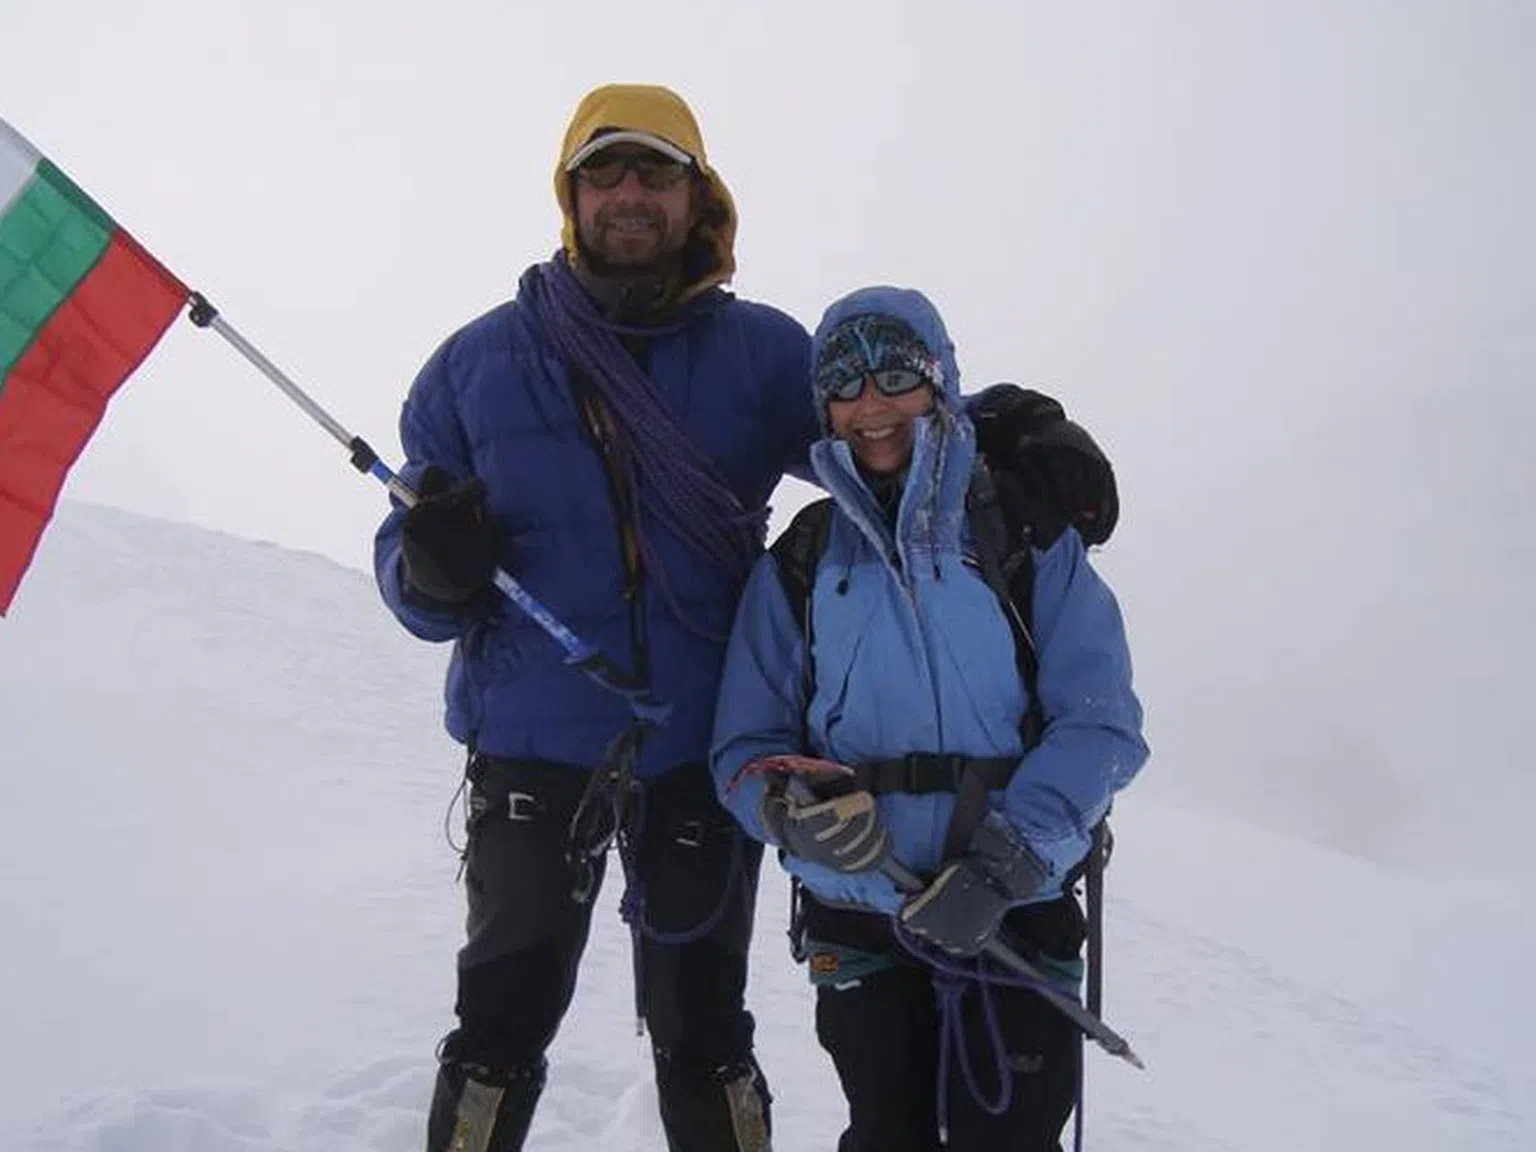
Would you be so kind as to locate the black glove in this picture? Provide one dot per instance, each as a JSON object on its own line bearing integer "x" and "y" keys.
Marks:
{"x": 449, "y": 541}
{"x": 1025, "y": 433}
{"x": 842, "y": 832}
{"x": 964, "y": 905}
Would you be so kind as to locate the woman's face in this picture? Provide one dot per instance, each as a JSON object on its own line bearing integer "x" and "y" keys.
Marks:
{"x": 878, "y": 427}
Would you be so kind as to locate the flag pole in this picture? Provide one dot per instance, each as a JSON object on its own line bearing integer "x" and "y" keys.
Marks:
{"x": 580, "y": 654}
{"x": 205, "y": 315}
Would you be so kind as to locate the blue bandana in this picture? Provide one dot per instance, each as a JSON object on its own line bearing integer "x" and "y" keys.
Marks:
{"x": 869, "y": 343}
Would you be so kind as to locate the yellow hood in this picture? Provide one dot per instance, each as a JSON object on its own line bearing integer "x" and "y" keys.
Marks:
{"x": 661, "y": 112}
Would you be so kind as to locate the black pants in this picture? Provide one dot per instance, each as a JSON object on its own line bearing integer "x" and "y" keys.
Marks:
{"x": 883, "y": 1034}
{"x": 526, "y": 933}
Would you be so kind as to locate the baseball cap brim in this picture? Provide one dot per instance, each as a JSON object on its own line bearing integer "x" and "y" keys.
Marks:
{"x": 626, "y": 136}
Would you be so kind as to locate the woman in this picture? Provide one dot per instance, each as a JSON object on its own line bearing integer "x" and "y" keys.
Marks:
{"x": 914, "y": 684}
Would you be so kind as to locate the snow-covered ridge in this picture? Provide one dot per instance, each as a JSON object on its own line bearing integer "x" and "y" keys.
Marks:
{"x": 229, "y": 912}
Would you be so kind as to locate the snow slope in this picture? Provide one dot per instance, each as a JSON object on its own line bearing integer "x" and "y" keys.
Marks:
{"x": 229, "y": 911}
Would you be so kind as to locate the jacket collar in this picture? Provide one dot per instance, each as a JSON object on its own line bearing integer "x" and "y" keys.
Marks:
{"x": 930, "y": 518}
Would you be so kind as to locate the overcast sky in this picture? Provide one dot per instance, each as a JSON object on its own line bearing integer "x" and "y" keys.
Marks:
{"x": 1278, "y": 256}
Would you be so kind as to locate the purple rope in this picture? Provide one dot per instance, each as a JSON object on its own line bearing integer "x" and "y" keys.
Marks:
{"x": 949, "y": 982}
{"x": 950, "y": 990}
{"x": 675, "y": 481}
{"x": 632, "y": 903}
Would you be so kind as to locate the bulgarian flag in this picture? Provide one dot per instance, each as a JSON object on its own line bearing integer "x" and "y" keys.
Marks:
{"x": 81, "y": 304}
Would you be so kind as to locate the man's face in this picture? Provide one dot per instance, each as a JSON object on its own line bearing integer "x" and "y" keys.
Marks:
{"x": 634, "y": 207}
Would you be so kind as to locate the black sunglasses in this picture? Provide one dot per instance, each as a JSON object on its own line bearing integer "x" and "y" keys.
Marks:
{"x": 607, "y": 169}
{"x": 888, "y": 381}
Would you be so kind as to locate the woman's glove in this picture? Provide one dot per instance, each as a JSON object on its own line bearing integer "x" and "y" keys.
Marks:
{"x": 966, "y": 902}
{"x": 842, "y": 832}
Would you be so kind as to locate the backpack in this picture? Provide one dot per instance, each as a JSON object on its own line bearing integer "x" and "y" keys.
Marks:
{"x": 1007, "y": 522}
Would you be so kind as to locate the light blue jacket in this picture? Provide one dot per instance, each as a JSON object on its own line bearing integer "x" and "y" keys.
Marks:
{"x": 913, "y": 654}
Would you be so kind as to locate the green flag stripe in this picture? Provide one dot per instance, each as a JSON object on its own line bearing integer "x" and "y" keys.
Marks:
{"x": 50, "y": 237}
{"x": 73, "y": 193}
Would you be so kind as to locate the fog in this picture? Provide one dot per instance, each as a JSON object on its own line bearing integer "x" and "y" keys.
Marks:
{"x": 1279, "y": 258}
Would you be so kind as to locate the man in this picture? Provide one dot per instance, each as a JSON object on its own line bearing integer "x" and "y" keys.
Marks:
{"x": 611, "y": 437}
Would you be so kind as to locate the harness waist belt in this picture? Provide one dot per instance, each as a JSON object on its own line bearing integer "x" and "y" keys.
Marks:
{"x": 919, "y": 772}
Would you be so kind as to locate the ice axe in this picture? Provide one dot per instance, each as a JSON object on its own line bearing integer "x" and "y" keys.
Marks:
{"x": 908, "y": 882}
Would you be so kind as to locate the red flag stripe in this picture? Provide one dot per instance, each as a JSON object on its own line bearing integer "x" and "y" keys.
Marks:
{"x": 57, "y": 392}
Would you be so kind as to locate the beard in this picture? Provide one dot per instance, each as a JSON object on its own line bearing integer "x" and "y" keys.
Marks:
{"x": 632, "y": 239}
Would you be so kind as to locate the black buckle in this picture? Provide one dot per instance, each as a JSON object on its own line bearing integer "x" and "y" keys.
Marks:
{"x": 954, "y": 768}
{"x": 922, "y": 771}
{"x": 689, "y": 833}
{"x": 522, "y": 806}
{"x": 483, "y": 803}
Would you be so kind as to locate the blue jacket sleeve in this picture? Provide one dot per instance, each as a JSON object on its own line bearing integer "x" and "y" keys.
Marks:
{"x": 1092, "y": 744}
{"x": 430, "y": 433}
{"x": 805, "y": 430}
{"x": 798, "y": 425}
{"x": 758, "y": 713}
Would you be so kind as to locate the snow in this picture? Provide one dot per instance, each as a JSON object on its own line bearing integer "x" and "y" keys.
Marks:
{"x": 229, "y": 911}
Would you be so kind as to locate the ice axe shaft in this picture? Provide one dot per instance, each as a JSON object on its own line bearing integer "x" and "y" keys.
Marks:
{"x": 579, "y": 654}
{"x": 1093, "y": 1027}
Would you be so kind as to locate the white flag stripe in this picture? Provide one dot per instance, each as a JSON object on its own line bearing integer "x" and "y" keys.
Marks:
{"x": 18, "y": 160}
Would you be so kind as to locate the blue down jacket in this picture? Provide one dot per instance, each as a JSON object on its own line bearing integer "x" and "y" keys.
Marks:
{"x": 912, "y": 654}
{"x": 495, "y": 401}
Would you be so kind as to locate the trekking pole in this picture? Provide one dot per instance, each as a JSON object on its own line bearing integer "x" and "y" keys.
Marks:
{"x": 581, "y": 655}
{"x": 907, "y": 882}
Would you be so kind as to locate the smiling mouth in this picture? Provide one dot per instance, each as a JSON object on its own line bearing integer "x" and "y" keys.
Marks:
{"x": 875, "y": 433}
{"x": 632, "y": 226}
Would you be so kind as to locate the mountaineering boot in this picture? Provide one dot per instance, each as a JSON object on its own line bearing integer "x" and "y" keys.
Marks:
{"x": 479, "y": 1109}
{"x": 722, "y": 1109}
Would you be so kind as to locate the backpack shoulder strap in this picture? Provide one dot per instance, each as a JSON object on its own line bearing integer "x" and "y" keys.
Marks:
{"x": 1004, "y": 532}
{"x": 798, "y": 551}
{"x": 796, "y": 554}
{"x": 1003, "y": 554}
